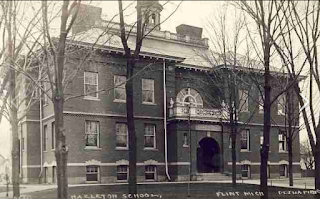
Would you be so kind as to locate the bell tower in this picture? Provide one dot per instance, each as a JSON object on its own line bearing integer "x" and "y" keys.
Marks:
{"x": 150, "y": 13}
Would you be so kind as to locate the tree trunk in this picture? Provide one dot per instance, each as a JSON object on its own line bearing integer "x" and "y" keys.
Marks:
{"x": 15, "y": 153}
{"x": 290, "y": 132}
{"x": 131, "y": 126}
{"x": 290, "y": 161}
{"x": 267, "y": 126}
{"x": 61, "y": 152}
{"x": 317, "y": 161}
{"x": 234, "y": 155}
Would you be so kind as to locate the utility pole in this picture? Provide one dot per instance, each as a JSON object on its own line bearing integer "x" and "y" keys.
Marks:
{"x": 190, "y": 156}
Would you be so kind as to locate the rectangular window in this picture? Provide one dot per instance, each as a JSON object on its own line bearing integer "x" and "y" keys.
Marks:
{"x": 120, "y": 88}
{"x": 148, "y": 91}
{"x": 92, "y": 174}
{"x": 35, "y": 93}
{"x": 150, "y": 136}
{"x": 261, "y": 139}
{"x": 282, "y": 141}
{"x": 22, "y": 143}
{"x": 54, "y": 174}
{"x": 261, "y": 102}
{"x": 245, "y": 140}
{"x": 245, "y": 171}
{"x": 46, "y": 93}
{"x": 283, "y": 170}
{"x": 53, "y": 135}
{"x": 45, "y": 137}
{"x": 91, "y": 84}
{"x": 122, "y": 172}
{"x": 243, "y": 100}
{"x": 45, "y": 174}
{"x": 281, "y": 104}
{"x": 185, "y": 140}
{"x": 92, "y": 133}
{"x": 150, "y": 172}
{"x": 121, "y": 135}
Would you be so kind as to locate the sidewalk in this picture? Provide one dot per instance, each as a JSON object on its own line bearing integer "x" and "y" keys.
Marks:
{"x": 300, "y": 183}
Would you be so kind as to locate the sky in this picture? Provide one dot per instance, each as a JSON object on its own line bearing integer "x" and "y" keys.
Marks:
{"x": 194, "y": 13}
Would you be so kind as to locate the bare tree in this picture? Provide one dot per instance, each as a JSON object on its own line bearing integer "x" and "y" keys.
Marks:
{"x": 55, "y": 61}
{"x": 17, "y": 94}
{"x": 301, "y": 19}
{"x": 267, "y": 24}
{"x": 132, "y": 56}
{"x": 307, "y": 155}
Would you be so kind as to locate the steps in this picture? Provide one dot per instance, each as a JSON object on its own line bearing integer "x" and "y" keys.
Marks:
{"x": 211, "y": 177}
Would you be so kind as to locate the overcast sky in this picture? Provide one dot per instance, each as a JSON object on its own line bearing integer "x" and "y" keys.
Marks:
{"x": 194, "y": 13}
{"x": 190, "y": 12}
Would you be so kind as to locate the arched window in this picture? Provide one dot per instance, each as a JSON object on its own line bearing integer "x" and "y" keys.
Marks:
{"x": 189, "y": 96}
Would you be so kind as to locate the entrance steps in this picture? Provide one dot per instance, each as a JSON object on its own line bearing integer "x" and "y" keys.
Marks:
{"x": 212, "y": 177}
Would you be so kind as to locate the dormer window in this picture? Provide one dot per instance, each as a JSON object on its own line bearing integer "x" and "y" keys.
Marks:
{"x": 189, "y": 97}
{"x": 153, "y": 19}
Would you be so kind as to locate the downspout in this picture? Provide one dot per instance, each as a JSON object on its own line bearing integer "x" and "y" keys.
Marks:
{"x": 41, "y": 139}
{"x": 165, "y": 120}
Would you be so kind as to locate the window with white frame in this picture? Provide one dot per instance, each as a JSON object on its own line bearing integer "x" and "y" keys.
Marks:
{"x": 282, "y": 104}
{"x": 54, "y": 174}
{"x": 45, "y": 174}
{"x": 261, "y": 104}
{"x": 150, "y": 136}
{"x": 245, "y": 171}
{"x": 92, "y": 133}
{"x": 121, "y": 135}
{"x": 261, "y": 139}
{"x": 189, "y": 97}
{"x": 46, "y": 93}
{"x": 22, "y": 143}
{"x": 243, "y": 100}
{"x": 92, "y": 174}
{"x": 282, "y": 141}
{"x": 122, "y": 172}
{"x": 45, "y": 137}
{"x": 283, "y": 170}
{"x": 120, "y": 88}
{"x": 91, "y": 84}
{"x": 53, "y": 137}
{"x": 185, "y": 140}
{"x": 148, "y": 91}
{"x": 150, "y": 172}
{"x": 245, "y": 140}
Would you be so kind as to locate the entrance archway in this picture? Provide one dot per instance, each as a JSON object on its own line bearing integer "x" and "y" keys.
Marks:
{"x": 208, "y": 156}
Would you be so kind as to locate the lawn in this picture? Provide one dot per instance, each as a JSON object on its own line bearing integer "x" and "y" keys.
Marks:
{"x": 4, "y": 189}
{"x": 175, "y": 191}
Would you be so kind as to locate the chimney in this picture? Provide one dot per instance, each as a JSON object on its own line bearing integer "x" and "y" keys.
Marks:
{"x": 190, "y": 31}
{"x": 86, "y": 18}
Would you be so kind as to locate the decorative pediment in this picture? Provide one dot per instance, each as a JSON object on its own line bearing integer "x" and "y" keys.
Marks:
{"x": 122, "y": 162}
{"x": 245, "y": 162}
{"x": 150, "y": 162}
{"x": 45, "y": 164}
{"x": 284, "y": 162}
{"x": 93, "y": 162}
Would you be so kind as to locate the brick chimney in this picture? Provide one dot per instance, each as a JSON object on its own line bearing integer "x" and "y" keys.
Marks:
{"x": 191, "y": 31}
{"x": 87, "y": 16}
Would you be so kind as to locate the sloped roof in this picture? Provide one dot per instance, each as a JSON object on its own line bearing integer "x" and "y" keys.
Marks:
{"x": 151, "y": 44}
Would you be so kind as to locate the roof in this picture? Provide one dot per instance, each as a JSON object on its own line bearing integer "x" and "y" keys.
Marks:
{"x": 157, "y": 43}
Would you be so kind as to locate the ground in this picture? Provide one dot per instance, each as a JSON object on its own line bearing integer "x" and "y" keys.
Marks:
{"x": 175, "y": 191}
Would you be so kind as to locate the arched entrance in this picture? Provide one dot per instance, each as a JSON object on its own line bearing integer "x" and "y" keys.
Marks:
{"x": 208, "y": 156}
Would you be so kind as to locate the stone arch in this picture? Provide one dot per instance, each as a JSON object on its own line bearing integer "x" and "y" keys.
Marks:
{"x": 188, "y": 96}
{"x": 208, "y": 156}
